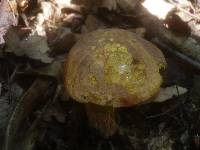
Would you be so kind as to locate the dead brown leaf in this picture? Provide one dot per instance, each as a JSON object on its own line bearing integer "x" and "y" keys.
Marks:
{"x": 33, "y": 46}
{"x": 8, "y": 12}
{"x": 170, "y": 92}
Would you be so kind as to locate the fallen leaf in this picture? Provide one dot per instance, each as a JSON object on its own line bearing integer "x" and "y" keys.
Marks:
{"x": 55, "y": 69}
{"x": 33, "y": 46}
{"x": 63, "y": 42}
{"x": 169, "y": 92}
{"x": 36, "y": 47}
{"x": 7, "y": 17}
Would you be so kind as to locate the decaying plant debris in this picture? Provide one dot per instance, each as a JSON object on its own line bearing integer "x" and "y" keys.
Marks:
{"x": 36, "y": 112}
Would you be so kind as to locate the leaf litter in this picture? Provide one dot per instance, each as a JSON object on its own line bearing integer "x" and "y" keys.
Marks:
{"x": 174, "y": 122}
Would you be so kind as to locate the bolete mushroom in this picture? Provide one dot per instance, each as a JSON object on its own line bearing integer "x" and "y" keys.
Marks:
{"x": 111, "y": 68}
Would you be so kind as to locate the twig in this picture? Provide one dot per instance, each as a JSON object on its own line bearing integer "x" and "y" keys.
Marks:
{"x": 14, "y": 73}
{"x": 166, "y": 112}
{"x": 194, "y": 63}
{"x": 163, "y": 113}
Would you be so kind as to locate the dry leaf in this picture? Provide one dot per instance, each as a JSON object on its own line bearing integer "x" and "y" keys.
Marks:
{"x": 34, "y": 46}
{"x": 7, "y": 17}
{"x": 63, "y": 41}
{"x": 169, "y": 92}
{"x": 54, "y": 69}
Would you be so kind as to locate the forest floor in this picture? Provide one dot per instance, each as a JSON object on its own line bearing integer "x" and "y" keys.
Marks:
{"x": 36, "y": 113}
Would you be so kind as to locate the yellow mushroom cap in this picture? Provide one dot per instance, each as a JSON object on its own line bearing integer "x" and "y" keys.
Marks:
{"x": 113, "y": 67}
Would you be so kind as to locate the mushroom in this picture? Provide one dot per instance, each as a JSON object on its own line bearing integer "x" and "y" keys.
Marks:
{"x": 111, "y": 68}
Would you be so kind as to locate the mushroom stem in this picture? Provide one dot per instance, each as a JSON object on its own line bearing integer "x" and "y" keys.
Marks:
{"x": 102, "y": 118}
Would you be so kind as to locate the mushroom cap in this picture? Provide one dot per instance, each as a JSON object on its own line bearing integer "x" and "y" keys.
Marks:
{"x": 113, "y": 67}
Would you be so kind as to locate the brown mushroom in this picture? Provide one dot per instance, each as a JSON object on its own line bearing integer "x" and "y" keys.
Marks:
{"x": 111, "y": 68}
